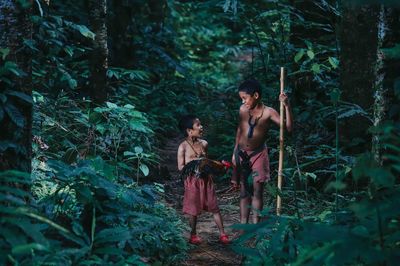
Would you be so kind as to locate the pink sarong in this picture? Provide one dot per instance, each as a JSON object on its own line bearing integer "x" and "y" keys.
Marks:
{"x": 259, "y": 166}
{"x": 199, "y": 196}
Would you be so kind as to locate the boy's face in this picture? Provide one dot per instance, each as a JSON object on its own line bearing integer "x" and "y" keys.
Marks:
{"x": 196, "y": 130}
{"x": 249, "y": 101}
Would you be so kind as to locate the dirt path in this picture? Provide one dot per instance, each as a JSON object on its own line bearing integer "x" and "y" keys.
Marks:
{"x": 210, "y": 252}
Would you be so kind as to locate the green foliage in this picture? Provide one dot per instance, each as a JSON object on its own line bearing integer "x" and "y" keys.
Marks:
{"x": 60, "y": 57}
{"x": 107, "y": 220}
{"x": 22, "y": 236}
{"x": 188, "y": 56}
{"x": 392, "y": 52}
{"x": 366, "y": 229}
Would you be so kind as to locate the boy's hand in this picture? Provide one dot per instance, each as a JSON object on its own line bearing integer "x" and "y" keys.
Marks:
{"x": 234, "y": 186}
{"x": 284, "y": 99}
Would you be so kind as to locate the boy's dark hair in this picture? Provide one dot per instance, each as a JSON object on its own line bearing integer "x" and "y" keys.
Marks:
{"x": 186, "y": 122}
{"x": 250, "y": 87}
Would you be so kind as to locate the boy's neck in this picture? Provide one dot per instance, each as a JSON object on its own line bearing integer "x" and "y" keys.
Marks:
{"x": 192, "y": 139}
{"x": 258, "y": 105}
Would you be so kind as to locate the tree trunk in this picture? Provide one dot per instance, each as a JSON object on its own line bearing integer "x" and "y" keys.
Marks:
{"x": 15, "y": 86}
{"x": 121, "y": 33}
{"x": 99, "y": 55}
{"x": 380, "y": 92}
{"x": 358, "y": 54}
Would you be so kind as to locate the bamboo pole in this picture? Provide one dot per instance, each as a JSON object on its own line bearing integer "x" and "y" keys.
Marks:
{"x": 281, "y": 131}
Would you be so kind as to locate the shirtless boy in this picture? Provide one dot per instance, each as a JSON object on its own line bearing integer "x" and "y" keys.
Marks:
{"x": 200, "y": 192}
{"x": 254, "y": 122}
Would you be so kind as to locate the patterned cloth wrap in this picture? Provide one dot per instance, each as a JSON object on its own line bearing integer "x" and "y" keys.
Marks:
{"x": 251, "y": 166}
{"x": 199, "y": 195}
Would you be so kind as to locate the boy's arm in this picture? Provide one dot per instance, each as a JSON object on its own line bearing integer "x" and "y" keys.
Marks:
{"x": 236, "y": 143}
{"x": 275, "y": 117}
{"x": 288, "y": 112}
{"x": 181, "y": 157}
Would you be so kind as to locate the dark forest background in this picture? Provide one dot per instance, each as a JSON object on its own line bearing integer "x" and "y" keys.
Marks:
{"x": 91, "y": 91}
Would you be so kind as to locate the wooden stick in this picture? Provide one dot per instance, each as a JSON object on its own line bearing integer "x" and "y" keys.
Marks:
{"x": 281, "y": 131}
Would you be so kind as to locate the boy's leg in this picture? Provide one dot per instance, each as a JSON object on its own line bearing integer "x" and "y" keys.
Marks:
{"x": 193, "y": 223}
{"x": 257, "y": 201}
{"x": 223, "y": 238}
{"x": 218, "y": 221}
{"x": 245, "y": 201}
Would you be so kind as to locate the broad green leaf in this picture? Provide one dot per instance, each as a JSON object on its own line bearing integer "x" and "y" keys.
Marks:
{"x": 69, "y": 50}
{"x": 312, "y": 175}
{"x": 129, "y": 106}
{"x": 72, "y": 83}
{"x": 4, "y": 52}
{"x": 129, "y": 153}
{"x": 334, "y": 62}
{"x": 111, "y": 73}
{"x": 13, "y": 68}
{"x": 135, "y": 114}
{"x": 37, "y": 97}
{"x": 310, "y": 54}
{"x": 138, "y": 149}
{"x": 178, "y": 74}
{"x": 269, "y": 13}
{"x": 144, "y": 168}
{"x": 299, "y": 55}
{"x": 316, "y": 68}
{"x": 85, "y": 31}
{"x": 111, "y": 105}
{"x": 20, "y": 95}
{"x": 95, "y": 117}
{"x": 138, "y": 126}
{"x": 15, "y": 115}
{"x": 392, "y": 52}
{"x": 28, "y": 248}
{"x": 116, "y": 234}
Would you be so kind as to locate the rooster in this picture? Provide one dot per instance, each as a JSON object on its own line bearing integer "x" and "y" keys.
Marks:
{"x": 204, "y": 167}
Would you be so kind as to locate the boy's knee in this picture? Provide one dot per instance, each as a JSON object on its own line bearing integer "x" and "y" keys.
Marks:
{"x": 258, "y": 191}
{"x": 244, "y": 194}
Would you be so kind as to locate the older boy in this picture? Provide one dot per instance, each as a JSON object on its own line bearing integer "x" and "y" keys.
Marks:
{"x": 250, "y": 156}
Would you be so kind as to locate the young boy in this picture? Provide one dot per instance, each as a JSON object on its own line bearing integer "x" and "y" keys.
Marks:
{"x": 250, "y": 156}
{"x": 199, "y": 191}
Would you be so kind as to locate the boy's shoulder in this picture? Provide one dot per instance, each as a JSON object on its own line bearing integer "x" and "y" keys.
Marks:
{"x": 203, "y": 142}
{"x": 182, "y": 144}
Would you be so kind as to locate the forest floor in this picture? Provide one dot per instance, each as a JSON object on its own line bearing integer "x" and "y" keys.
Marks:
{"x": 210, "y": 251}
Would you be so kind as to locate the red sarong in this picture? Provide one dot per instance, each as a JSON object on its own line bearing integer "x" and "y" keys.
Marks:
{"x": 199, "y": 195}
{"x": 259, "y": 166}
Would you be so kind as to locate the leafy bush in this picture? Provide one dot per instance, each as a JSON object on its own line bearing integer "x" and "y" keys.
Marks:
{"x": 107, "y": 221}
{"x": 365, "y": 231}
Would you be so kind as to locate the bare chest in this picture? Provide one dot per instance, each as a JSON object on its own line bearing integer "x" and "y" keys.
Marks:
{"x": 194, "y": 151}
